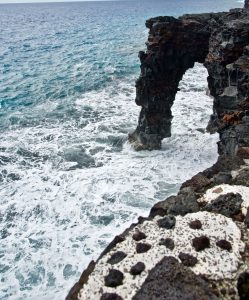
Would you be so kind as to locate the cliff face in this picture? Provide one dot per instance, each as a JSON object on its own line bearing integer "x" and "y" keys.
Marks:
{"x": 194, "y": 245}
{"x": 220, "y": 41}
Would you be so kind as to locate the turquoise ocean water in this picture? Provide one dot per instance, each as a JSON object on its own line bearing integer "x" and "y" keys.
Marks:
{"x": 69, "y": 181}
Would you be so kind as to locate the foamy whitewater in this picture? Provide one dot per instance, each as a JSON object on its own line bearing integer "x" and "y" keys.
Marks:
{"x": 69, "y": 181}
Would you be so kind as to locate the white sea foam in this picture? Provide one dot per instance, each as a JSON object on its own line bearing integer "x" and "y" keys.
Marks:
{"x": 70, "y": 186}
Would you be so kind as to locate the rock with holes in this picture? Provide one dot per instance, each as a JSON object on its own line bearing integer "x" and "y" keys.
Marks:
{"x": 170, "y": 280}
{"x": 167, "y": 222}
{"x": 227, "y": 205}
{"x": 188, "y": 260}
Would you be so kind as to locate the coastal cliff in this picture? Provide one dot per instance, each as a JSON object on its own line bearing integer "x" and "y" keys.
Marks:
{"x": 194, "y": 245}
{"x": 219, "y": 41}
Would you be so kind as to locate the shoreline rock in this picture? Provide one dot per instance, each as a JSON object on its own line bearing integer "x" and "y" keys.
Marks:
{"x": 194, "y": 245}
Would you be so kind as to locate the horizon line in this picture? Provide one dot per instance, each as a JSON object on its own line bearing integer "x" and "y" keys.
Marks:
{"x": 59, "y": 1}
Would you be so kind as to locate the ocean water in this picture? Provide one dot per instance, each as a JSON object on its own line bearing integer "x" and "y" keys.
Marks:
{"x": 69, "y": 181}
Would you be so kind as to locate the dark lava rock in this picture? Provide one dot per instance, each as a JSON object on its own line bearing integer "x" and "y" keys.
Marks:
{"x": 168, "y": 222}
{"x": 138, "y": 235}
{"x": 225, "y": 245}
{"x": 185, "y": 202}
{"x": 196, "y": 224}
{"x": 197, "y": 182}
{"x": 114, "y": 278}
{"x": 117, "y": 257}
{"x": 142, "y": 247}
{"x": 201, "y": 243}
{"x": 168, "y": 243}
{"x": 169, "y": 279}
{"x": 242, "y": 178}
{"x": 110, "y": 296}
{"x": 188, "y": 260}
{"x": 137, "y": 269}
{"x": 222, "y": 177}
{"x": 243, "y": 286}
{"x": 227, "y": 205}
{"x": 117, "y": 239}
{"x": 247, "y": 218}
{"x": 73, "y": 293}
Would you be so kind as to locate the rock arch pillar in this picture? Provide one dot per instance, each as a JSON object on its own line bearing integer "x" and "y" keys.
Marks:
{"x": 173, "y": 46}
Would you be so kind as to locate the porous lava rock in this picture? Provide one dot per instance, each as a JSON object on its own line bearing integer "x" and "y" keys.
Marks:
{"x": 142, "y": 247}
{"x": 114, "y": 278}
{"x": 196, "y": 224}
{"x": 138, "y": 235}
{"x": 188, "y": 260}
{"x": 220, "y": 42}
{"x": 167, "y": 222}
{"x": 246, "y": 221}
{"x": 243, "y": 286}
{"x": 138, "y": 268}
{"x": 170, "y": 280}
{"x": 168, "y": 243}
{"x": 110, "y": 296}
{"x": 200, "y": 243}
{"x": 227, "y": 205}
{"x": 225, "y": 245}
{"x": 117, "y": 257}
{"x": 185, "y": 202}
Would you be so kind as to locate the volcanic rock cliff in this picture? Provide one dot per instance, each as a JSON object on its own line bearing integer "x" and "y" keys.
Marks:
{"x": 194, "y": 245}
{"x": 220, "y": 42}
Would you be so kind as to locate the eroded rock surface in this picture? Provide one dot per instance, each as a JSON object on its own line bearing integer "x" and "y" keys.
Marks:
{"x": 194, "y": 245}
{"x": 170, "y": 280}
{"x": 220, "y": 42}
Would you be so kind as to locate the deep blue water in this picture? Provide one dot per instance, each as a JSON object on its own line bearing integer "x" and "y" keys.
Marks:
{"x": 68, "y": 179}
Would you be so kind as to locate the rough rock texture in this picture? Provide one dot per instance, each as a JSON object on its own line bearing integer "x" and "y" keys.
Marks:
{"x": 246, "y": 4}
{"x": 170, "y": 278}
{"x": 228, "y": 204}
{"x": 194, "y": 245}
{"x": 220, "y": 41}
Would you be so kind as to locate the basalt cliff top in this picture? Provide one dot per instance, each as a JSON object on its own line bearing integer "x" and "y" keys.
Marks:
{"x": 194, "y": 245}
